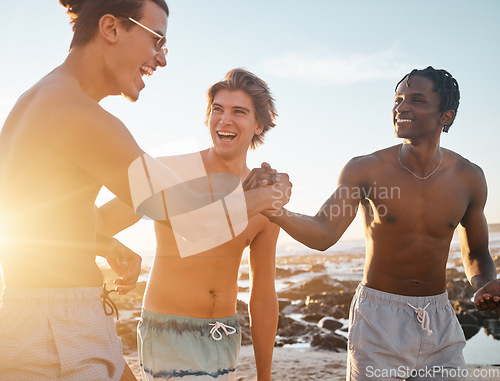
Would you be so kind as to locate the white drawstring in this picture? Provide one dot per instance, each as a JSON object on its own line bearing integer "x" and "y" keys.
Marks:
{"x": 215, "y": 330}
{"x": 423, "y": 318}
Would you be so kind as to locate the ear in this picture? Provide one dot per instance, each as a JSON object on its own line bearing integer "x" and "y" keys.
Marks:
{"x": 259, "y": 129}
{"x": 447, "y": 117}
{"x": 108, "y": 28}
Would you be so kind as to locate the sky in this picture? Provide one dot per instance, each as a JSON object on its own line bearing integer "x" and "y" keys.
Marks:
{"x": 331, "y": 65}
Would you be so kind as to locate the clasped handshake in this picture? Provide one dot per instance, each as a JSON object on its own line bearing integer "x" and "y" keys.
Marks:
{"x": 278, "y": 182}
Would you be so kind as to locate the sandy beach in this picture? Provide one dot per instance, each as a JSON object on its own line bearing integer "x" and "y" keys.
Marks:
{"x": 291, "y": 364}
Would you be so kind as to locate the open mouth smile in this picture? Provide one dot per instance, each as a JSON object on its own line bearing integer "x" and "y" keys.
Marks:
{"x": 147, "y": 70}
{"x": 226, "y": 136}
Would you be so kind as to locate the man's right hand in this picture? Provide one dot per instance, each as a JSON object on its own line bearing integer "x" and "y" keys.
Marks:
{"x": 279, "y": 184}
{"x": 261, "y": 177}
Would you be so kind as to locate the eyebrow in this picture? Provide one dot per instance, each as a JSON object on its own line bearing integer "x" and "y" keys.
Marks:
{"x": 241, "y": 108}
{"x": 234, "y": 107}
{"x": 412, "y": 95}
{"x": 160, "y": 34}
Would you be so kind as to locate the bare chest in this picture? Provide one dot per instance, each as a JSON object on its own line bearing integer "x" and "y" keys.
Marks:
{"x": 434, "y": 205}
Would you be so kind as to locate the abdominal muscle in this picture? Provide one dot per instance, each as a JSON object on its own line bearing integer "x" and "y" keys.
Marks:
{"x": 202, "y": 286}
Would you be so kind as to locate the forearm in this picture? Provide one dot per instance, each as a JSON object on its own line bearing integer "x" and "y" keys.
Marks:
{"x": 104, "y": 244}
{"x": 480, "y": 269}
{"x": 263, "y": 325}
{"x": 264, "y": 198}
{"x": 312, "y": 231}
{"x": 114, "y": 216}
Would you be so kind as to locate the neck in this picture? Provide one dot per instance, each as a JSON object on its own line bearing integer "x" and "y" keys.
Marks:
{"x": 86, "y": 65}
{"x": 420, "y": 159}
{"x": 215, "y": 163}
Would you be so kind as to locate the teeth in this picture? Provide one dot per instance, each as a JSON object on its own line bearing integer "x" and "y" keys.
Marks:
{"x": 224, "y": 133}
{"x": 403, "y": 120}
{"x": 148, "y": 70}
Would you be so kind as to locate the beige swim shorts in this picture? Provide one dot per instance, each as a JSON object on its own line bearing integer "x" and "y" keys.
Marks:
{"x": 58, "y": 334}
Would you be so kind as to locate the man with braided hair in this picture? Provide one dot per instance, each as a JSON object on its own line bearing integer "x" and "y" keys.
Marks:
{"x": 412, "y": 196}
{"x": 58, "y": 147}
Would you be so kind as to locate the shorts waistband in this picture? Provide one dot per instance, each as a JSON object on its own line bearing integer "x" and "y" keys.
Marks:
{"x": 367, "y": 293}
{"x": 184, "y": 323}
{"x": 34, "y": 295}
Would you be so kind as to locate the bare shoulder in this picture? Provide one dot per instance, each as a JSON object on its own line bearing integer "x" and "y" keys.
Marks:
{"x": 464, "y": 175}
{"x": 463, "y": 167}
{"x": 58, "y": 104}
{"x": 361, "y": 169}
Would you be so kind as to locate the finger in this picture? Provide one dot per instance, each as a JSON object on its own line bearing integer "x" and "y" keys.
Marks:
{"x": 478, "y": 306}
{"x": 478, "y": 299}
{"x": 249, "y": 179}
{"x": 253, "y": 178}
{"x": 274, "y": 178}
{"x": 126, "y": 280}
{"x": 491, "y": 304}
{"x": 122, "y": 290}
{"x": 260, "y": 183}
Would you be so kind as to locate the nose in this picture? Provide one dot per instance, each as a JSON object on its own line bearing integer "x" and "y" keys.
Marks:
{"x": 161, "y": 57}
{"x": 401, "y": 106}
{"x": 225, "y": 119}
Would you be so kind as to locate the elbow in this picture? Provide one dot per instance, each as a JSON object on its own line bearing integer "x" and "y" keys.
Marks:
{"x": 322, "y": 246}
{"x": 323, "y": 243}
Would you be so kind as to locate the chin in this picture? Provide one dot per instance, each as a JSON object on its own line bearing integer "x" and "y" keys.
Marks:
{"x": 131, "y": 97}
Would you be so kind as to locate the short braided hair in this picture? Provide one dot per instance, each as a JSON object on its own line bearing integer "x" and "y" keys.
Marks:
{"x": 444, "y": 84}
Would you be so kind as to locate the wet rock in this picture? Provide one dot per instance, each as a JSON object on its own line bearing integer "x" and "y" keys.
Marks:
{"x": 464, "y": 317}
{"x": 463, "y": 305}
{"x": 492, "y": 327}
{"x": 338, "y": 312}
{"x": 331, "y": 299}
{"x": 317, "y": 268}
{"x": 127, "y": 330}
{"x": 459, "y": 289}
{"x": 283, "y": 273}
{"x": 453, "y": 273}
{"x": 496, "y": 260}
{"x": 327, "y": 304}
{"x": 316, "y": 285}
{"x": 329, "y": 341}
{"x": 288, "y": 327}
{"x": 283, "y": 303}
{"x": 470, "y": 330}
{"x": 330, "y": 324}
{"x": 280, "y": 341}
{"x": 293, "y": 308}
{"x": 314, "y": 317}
{"x": 482, "y": 316}
{"x": 244, "y": 319}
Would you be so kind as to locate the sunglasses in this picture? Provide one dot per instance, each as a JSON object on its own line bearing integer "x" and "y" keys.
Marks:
{"x": 160, "y": 44}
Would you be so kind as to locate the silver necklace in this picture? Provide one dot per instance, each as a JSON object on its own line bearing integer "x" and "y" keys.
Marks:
{"x": 413, "y": 173}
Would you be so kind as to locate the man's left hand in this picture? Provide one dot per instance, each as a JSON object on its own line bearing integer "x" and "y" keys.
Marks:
{"x": 487, "y": 298}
